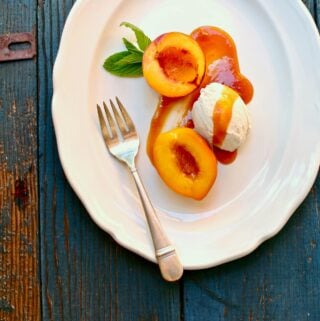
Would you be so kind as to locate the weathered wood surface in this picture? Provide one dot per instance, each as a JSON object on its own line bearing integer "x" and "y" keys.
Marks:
{"x": 279, "y": 281}
{"x": 19, "y": 278}
{"x": 84, "y": 274}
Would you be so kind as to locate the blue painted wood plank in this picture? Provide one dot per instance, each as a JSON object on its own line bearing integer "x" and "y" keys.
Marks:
{"x": 85, "y": 274}
{"x": 279, "y": 281}
{"x": 314, "y": 8}
{"x": 316, "y": 15}
{"x": 19, "y": 283}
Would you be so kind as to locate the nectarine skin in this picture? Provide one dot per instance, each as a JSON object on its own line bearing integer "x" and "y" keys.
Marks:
{"x": 173, "y": 64}
{"x": 185, "y": 162}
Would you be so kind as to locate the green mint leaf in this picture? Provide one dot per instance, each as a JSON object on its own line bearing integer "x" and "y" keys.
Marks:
{"x": 130, "y": 46}
{"x": 111, "y": 61}
{"x": 113, "y": 66}
{"x": 142, "y": 40}
{"x": 132, "y": 58}
{"x": 128, "y": 63}
{"x": 133, "y": 70}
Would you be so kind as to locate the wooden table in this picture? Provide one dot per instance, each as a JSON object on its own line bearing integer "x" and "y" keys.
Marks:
{"x": 56, "y": 264}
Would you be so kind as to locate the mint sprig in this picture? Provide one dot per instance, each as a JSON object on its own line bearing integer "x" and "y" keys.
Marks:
{"x": 142, "y": 40}
{"x": 123, "y": 64}
{"x": 130, "y": 46}
{"x": 128, "y": 63}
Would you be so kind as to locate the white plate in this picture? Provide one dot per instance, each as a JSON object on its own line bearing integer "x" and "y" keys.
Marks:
{"x": 278, "y": 47}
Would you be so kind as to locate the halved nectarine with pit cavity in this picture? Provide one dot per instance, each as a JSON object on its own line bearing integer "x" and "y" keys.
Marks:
{"x": 173, "y": 64}
{"x": 185, "y": 162}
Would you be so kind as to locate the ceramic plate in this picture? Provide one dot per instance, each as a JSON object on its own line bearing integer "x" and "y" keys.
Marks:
{"x": 252, "y": 199}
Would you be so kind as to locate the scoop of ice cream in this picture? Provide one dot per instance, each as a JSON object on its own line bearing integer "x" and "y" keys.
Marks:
{"x": 221, "y": 117}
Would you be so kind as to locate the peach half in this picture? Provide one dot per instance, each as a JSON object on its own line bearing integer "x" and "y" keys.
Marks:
{"x": 173, "y": 64}
{"x": 185, "y": 162}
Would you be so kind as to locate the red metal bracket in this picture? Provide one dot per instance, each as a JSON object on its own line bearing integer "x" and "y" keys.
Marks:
{"x": 7, "y": 54}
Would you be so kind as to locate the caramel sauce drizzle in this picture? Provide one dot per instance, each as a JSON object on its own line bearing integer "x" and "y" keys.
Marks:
{"x": 222, "y": 113}
{"x": 165, "y": 107}
{"x": 222, "y": 66}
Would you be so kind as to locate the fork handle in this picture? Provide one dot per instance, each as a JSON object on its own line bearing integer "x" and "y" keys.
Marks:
{"x": 168, "y": 260}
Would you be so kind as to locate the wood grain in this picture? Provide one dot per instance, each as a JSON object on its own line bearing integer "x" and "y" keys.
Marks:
{"x": 19, "y": 282}
{"x": 314, "y": 8}
{"x": 279, "y": 281}
{"x": 85, "y": 274}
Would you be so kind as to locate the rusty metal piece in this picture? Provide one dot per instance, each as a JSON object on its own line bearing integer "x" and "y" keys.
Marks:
{"x": 7, "y": 54}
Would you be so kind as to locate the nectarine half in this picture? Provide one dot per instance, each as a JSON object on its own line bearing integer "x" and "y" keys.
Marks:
{"x": 173, "y": 64}
{"x": 185, "y": 162}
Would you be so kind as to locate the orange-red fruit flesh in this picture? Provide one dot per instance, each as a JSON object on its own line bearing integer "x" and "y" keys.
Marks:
{"x": 173, "y": 64}
{"x": 185, "y": 162}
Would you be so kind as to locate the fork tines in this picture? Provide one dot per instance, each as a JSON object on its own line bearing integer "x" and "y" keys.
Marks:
{"x": 120, "y": 120}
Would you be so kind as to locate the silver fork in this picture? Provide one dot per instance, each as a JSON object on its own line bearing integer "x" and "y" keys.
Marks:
{"x": 124, "y": 147}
